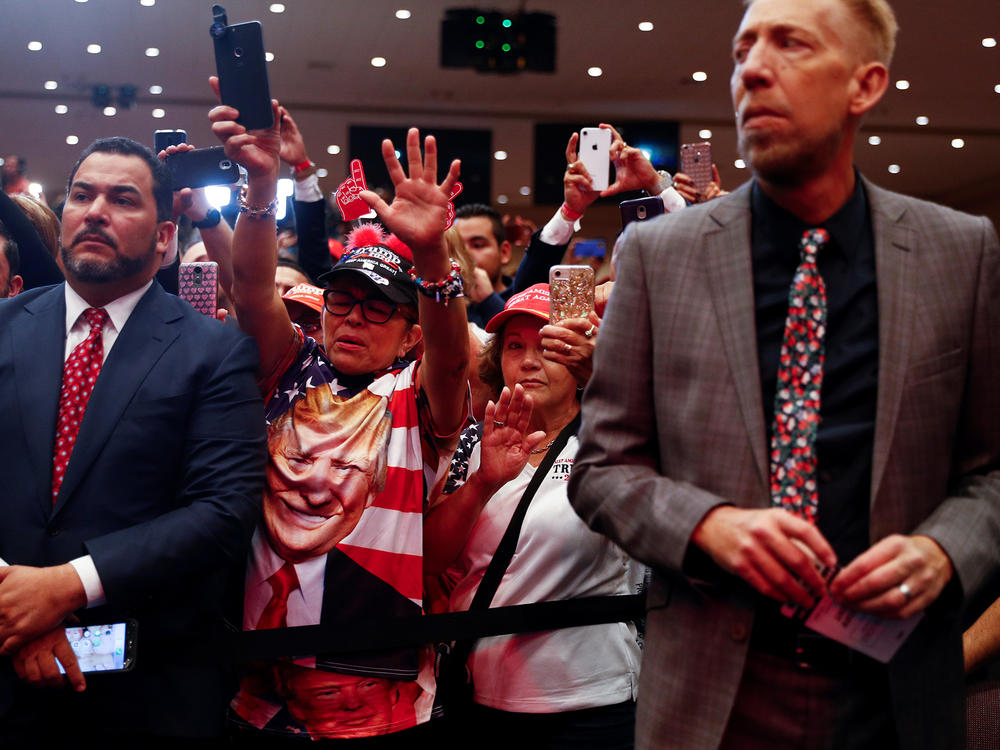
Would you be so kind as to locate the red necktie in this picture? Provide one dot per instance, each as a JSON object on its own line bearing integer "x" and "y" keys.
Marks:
{"x": 79, "y": 375}
{"x": 800, "y": 379}
{"x": 283, "y": 583}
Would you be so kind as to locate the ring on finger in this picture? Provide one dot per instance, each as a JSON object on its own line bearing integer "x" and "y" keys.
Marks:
{"x": 589, "y": 333}
{"x": 569, "y": 347}
{"x": 498, "y": 423}
{"x": 906, "y": 591}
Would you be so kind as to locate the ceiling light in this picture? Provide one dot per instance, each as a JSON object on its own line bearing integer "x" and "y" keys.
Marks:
{"x": 333, "y": 149}
{"x": 923, "y": 120}
{"x": 402, "y": 14}
{"x": 902, "y": 84}
{"x": 957, "y": 143}
{"x": 595, "y": 72}
{"x": 378, "y": 62}
{"x": 700, "y": 75}
{"x": 94, "y": 49}
{"x": 989, "y": 42}
{"x": 502, "y": 199}
{"x": 61, "y": 109}
{"x": 51, "y": 85}
{"x": 524, "y": 190}
{"x": 147, "y": 3}
{"x": 34, "y": 46}
{"x": 645, "y": 26}
{"x": 740, "y": 164}
{"x": 152, "y": 52}
{"x": 894, "y": 169}
{"x": 705, "y": 134}
{"x": 159, "y": 113}
{"x": 110, "y": 111}
{"x": 499, "y": 155}
{"x": 874, "y": 140}
{"x": 321, "y": 172}
{"x": 72, "y": 140}
{"x": 81, "y": 1}
{"x": 155, "y": 89}
{"x": 277, "y": 8}
{"x": 996, "y": 89}
{"x": 269, "y": 56}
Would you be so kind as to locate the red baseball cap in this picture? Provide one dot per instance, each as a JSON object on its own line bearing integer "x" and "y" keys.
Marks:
{"x": 305, "y": 294}
{"x": 532, "y": 301}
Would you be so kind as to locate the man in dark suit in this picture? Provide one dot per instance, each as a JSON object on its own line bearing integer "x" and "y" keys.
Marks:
{"x": 136, "y": 507}
{"x": 679, "y": 416}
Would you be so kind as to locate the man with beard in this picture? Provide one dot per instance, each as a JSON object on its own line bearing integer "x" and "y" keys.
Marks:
{"x": 133, "y": 461}
{"x": 801, "y": 373}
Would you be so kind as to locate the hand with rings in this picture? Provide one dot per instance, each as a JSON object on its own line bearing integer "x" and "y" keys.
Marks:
{"x": 505, "y": 446}
{"x": 571, "y": 343}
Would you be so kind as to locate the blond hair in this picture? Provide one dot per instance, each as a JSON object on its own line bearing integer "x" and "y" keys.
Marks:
{"x": 45, "y": 221}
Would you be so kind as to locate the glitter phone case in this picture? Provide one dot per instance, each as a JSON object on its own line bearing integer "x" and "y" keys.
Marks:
{"x": 571, "y": 292}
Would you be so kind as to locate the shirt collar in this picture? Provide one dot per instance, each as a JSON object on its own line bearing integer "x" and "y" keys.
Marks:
{"x": 118, "y": 310}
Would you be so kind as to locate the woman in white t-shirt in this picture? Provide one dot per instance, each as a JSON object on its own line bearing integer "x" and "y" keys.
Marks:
{"x": 574, "y": 687}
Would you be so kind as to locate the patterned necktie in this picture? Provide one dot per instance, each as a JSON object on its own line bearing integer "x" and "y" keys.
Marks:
{"x": 283, "y": 583}
{"x": 79, "y": 375}
{"x": 800, "y": 380}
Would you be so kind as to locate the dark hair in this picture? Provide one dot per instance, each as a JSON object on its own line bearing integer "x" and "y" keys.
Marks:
{"x": 162, "y": 188}
{"x": 11, "y": 252}
{"x": 472, "y": 210}
{"x": 490, "y": 363}
{"x": 289, "y": 263}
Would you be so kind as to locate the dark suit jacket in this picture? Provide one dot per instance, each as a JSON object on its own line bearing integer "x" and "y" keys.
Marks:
{"x": 673, "y": 425}
{"x": 162, "y": 490}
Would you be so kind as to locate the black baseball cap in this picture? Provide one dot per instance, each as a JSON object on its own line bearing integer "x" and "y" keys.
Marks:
{"x": 383, "y": 267}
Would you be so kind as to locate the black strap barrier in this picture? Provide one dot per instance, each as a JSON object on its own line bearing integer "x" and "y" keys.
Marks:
{"x": 401, "y": 632}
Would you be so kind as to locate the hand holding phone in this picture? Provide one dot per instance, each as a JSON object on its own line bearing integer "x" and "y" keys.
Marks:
{"x": 595, "y": 153}
{"x": 571, "y": 292}
{"x": 242, "y": 69}
{"x": 164, "y": 138}
{"x": 103, "y": 648}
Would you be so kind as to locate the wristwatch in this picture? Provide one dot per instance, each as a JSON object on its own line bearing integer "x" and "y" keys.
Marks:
{"x": 665, "y": 181}
{"x": 212, "y": 219}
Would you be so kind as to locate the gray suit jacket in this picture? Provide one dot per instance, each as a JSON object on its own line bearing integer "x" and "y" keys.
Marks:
{"x": 673, "y": 425}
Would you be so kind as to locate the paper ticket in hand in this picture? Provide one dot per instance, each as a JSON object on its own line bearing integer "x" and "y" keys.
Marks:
{"x": 348, "y": 195}
{"x": 455, "y": 192}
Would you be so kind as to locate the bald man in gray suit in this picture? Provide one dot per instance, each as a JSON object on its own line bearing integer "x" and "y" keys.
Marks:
{"x": 677, "y": 419}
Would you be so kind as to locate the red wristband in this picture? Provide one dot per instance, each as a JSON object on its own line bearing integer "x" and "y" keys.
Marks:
{"x": 568, "y": 213}
{"x": 302, "y": 167}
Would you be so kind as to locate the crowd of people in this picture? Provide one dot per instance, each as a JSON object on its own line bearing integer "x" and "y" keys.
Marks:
{"x": 782, "y": 411}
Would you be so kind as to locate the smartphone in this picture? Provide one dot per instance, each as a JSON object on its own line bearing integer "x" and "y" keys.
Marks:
{"x": 696, "y": 163}
{"x": 590, "y": 249}
{"x": 640, "y": 209}
{"x": 103, "y": 648}
{"x": 164, "y": 138}
{"x": 571, "y": 292}
{"x": 242, "y": 69}
{"x": 595, "y": 153}
{"x": 199, "y": 286}
{"x": 201, "y": 167}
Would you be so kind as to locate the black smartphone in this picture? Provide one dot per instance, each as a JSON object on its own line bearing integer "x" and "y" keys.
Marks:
{"x": 201, "y": 167}
{"x": 103, "y": 648}
{"x": 164, "y": 138}
{"x": 640, "y": 209}
{"x": 242, "y": 69}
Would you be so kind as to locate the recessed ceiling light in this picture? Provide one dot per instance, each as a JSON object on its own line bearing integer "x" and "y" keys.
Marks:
{"x": 321, "y": 172}
{"x": 595, "y": 72}
{"x": 378, "y": 62}
{"x": 152, "y": 52}
{"x": 402, "y": 14}
{"x": 957, "y": 143}
{"x": 989, "y": 42}
{"x": 645, "y": 26}
{"x": 159, "y": 113}
{"x": 269, "y": 56}
{"x": 923, "y": 120}
{"x": 502, "y": 199}
{"x": 333, "y": 149}
{"x": 277, "y": 8}
{"x": 874, "y": 140}
{"x": 81, "y": 1}
{"x": 147, "y": 3}
{"x": 705, "y": 134}
{"x": 155, "y": 89}
{"x": 996, "y": 89}
{"x": 94, "y": 49}
{"x": 72, "y": 140}
{"x": 700, "y": 75}
{"x": 34, "y": 46}
{"x": 499, "y": 155}
{"x": 740, "y": 164}
{"x": 61, "y": 109}
{"x": 110, "y": 111}
{"x": 894, "y": 169}
{"x": 51, "y": 85}
{"x": 524, "y": 190}
{"x": 902, "y": 84}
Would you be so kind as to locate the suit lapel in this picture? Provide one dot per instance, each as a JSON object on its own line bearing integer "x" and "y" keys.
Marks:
{"x": 730, "y": 273}
{"x": 145, "y": 337}
{"x": 39, "y": 344}
{"x": 894, "y": 241}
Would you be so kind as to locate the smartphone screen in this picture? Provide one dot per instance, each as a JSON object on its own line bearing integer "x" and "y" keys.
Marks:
{"x": 102, "y": 648}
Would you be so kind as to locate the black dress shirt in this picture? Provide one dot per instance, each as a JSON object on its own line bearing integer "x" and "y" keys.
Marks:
{"x": 846, "y": 433}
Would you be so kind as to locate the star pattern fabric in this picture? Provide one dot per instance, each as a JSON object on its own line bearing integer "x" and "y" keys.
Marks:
{"x": 79, "y": 375}
{"x": 800, "y": 381}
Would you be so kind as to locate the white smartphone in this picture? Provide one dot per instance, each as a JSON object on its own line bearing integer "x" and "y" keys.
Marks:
{"x": 595, "y": 153}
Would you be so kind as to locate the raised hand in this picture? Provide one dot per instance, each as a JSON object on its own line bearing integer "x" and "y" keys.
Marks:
{"x": 293, "y": 147}
{"x": 505, "y": 448}
{"x": 633, "y": 171}
{"x": 256, "y": 150}
{"x": 571, "y": 343}
{"x": 578, "y": 191}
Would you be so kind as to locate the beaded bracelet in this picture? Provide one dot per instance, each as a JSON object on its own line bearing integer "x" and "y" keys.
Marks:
{"x": 257, "y": 212}
{"x": 447, "y": 289}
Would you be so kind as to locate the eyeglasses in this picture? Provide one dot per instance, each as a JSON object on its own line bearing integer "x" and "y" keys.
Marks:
{"x": 373, "y": 310}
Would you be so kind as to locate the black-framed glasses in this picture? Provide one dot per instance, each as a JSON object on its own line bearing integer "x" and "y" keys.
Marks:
{"x": 373, "y": 309}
